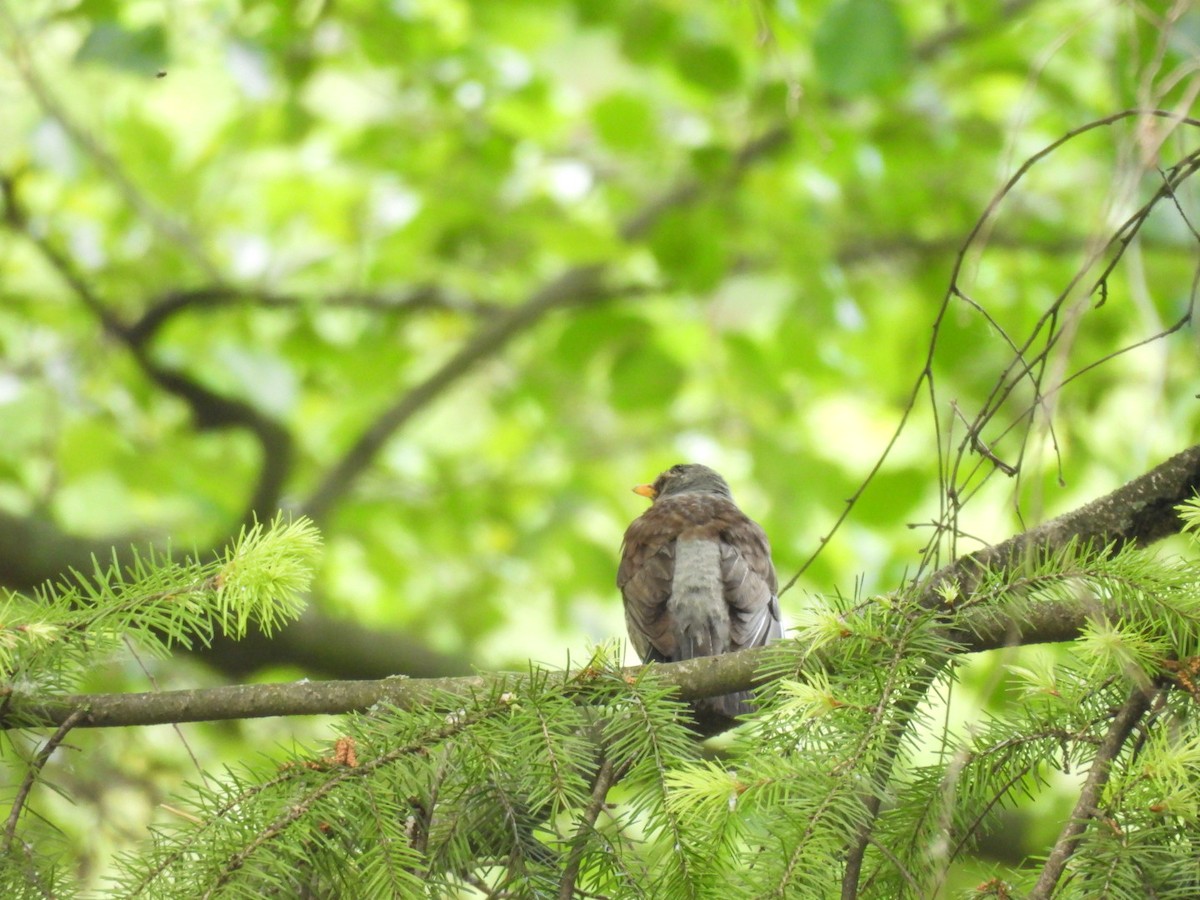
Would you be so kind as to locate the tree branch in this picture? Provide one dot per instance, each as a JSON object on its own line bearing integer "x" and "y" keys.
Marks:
{"x": 607, "y": 775}
{"x": 695, "y": 679}
{"x": 576, "y": 286}
{"x": 1138, "y": 512}
{"x": 217, "y": 296}
{"x": 1085, "y": 809}
{"x": 333, "y": 647}
{"x": 210, "y": 410}
{"x": 31, "y": 776}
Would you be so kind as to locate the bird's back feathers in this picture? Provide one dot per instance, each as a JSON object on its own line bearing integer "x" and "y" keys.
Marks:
{"x": 697, "y": 580}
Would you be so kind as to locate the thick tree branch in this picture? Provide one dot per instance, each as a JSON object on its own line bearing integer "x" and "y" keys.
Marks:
{"x": 34, "y": 551}
{"x": 696, "y": 678}
{"x": 333, "y": 647}
{"x": 1139, "y": 512}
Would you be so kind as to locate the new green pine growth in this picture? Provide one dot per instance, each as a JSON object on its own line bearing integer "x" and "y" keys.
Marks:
{"x": 262, "y": 578}
{"x": 1165, "y": 780}
{"x": 1189, "y": 513}
{"x": 1122, "y": 647}
{"x": 158, "y": 602}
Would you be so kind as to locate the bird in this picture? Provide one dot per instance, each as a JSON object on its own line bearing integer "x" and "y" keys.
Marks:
{"x": 696, "y": 576}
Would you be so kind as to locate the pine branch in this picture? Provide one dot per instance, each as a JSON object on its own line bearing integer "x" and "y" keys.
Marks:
{"x": 606, "y": 777}
{"x": 31, "y": 777}
{"x": 1086, "y": 807}
{"x": 1137, "y": 513}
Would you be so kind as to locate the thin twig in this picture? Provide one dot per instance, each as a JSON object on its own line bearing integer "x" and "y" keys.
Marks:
{"x": 1022, "y": 367}
{"x": 606, "y": 777}
{"x": 31, "y": 777}
{"x": 1086, "y": 807}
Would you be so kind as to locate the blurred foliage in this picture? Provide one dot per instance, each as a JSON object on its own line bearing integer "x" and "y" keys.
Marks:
{"x": 310, "y": 210}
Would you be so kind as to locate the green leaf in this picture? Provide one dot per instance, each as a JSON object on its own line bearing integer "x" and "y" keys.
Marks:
{"x": 94, "y": 9}
{"x": 711, "y": 160}
{"x": 860, "y": 46}
{"x": 690, "y": 249}
{"x": 647, "y": 33}
{"x": 713, "y": 67}
{"x": 624, "y": 121}
{"x": 592, "y": 332}
{"x": 892, "y": 494}
{"x": 644, "y": 377}
{"x": 141, "y": 52}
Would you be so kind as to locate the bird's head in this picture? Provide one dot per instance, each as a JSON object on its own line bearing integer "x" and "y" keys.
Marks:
{"x": 685, "y": 478}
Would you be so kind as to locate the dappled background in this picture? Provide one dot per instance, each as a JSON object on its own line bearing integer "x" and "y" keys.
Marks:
{"x": 451, "y": 277}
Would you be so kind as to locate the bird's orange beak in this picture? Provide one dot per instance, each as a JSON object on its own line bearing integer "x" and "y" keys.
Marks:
{"x": 646, "y": 490}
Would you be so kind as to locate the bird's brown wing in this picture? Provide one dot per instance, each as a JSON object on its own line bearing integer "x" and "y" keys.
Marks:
{"x": 647, "y": 570}
{"x": 751, "y": 588}
{"x": 644, "y": 577}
